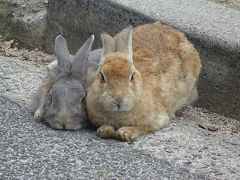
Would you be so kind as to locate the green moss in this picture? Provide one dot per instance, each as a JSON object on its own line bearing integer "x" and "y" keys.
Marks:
{"x": 234, "y": 4}
{"x": 5, "y": 16}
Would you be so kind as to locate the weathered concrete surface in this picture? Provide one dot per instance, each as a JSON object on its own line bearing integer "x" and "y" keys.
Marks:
{"x": 214, "y": 30}
{"x": 31, "y": 150}
{"x": 25, "y": 21}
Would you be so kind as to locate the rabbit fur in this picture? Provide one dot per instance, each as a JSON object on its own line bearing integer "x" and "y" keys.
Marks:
{"x": 58, "y": 100}
{"x": 145, "y": 75}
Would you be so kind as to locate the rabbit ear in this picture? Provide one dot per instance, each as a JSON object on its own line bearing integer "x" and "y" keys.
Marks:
{"x": 62, "y": 53}
{"x": 123, "y": 41}
{"x": 108, "y": 44}
{"x": 80, "y": 60}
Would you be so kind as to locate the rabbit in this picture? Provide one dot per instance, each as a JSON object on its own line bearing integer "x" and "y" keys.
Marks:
{"x": 58, "y": 100}
{"x": 145, "y": 75}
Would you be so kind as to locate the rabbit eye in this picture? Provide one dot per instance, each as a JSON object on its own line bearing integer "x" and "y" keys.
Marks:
{"x": 53, "y": 116}
{"x": 132, "y": 77}
{"x": 102, "y": 78}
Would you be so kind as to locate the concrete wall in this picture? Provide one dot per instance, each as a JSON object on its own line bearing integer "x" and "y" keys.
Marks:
{"x": 24, "y": 21}
{"x": 78, "y": 19}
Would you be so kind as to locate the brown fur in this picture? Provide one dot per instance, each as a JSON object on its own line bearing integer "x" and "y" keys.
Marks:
{"x": 167, "y": 68}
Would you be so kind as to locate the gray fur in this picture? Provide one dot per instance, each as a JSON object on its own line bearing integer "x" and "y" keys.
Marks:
{"x": 80, "y": 67}
{"x": 59, "y": 98}
{"x": 63, "y": 55}
{"x": 63, "y": 107}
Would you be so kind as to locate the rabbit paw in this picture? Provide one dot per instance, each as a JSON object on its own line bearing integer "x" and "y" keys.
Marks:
{"x": 106, "y": 132}
{"x": 125, "y": 134}
{"x": 38, "y": 115}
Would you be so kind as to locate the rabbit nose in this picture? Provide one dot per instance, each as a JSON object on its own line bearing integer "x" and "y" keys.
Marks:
{"x": 56, "y": 125}
{"x": 118, "y": 101}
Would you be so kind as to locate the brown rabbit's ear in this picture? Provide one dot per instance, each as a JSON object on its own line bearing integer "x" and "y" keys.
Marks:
{"x": 108, "y": 44}
{"x": 123, "y": 41}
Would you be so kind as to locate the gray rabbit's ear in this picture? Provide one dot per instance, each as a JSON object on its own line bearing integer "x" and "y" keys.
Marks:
{"x": 63, "y": 55}
{"x": 123, "y": 41}
{"x": 80, "y": 60}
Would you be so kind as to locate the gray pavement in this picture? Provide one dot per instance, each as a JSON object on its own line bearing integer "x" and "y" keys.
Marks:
{"x": 31, "y": 150}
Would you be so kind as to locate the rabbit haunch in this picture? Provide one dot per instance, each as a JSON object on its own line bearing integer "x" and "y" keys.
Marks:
{"x": 58, "y": 99}
{"x": 146, "y": 74}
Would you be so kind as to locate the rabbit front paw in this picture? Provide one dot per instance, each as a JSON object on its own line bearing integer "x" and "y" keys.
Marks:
{"x": 106, "y": 132}
{"x": 38, "y": 115}
{"x": 126, "y": 134}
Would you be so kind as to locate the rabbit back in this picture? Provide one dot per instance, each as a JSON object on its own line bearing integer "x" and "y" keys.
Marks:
{"x": 168, "y": 62}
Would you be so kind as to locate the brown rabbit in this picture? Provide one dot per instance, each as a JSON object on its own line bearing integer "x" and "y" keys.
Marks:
{"x": 139, "y": 86}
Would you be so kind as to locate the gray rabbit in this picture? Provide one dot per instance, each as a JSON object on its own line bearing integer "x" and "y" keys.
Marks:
{"x": 59, "y": 99}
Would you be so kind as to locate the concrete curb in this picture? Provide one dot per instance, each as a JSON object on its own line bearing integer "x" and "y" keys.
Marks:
{"x": 213, "y": 29}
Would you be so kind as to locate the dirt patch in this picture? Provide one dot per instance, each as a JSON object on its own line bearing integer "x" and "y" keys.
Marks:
{"x": 12, "y": 48}
{"x": 24, "y": 20}
{"x": 211, "y": 122}
{"x": 234, "y": 4}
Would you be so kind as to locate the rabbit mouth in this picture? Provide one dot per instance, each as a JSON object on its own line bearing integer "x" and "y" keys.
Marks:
{"x": 117, "y": 107}
{"x": 64, "y": 125}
